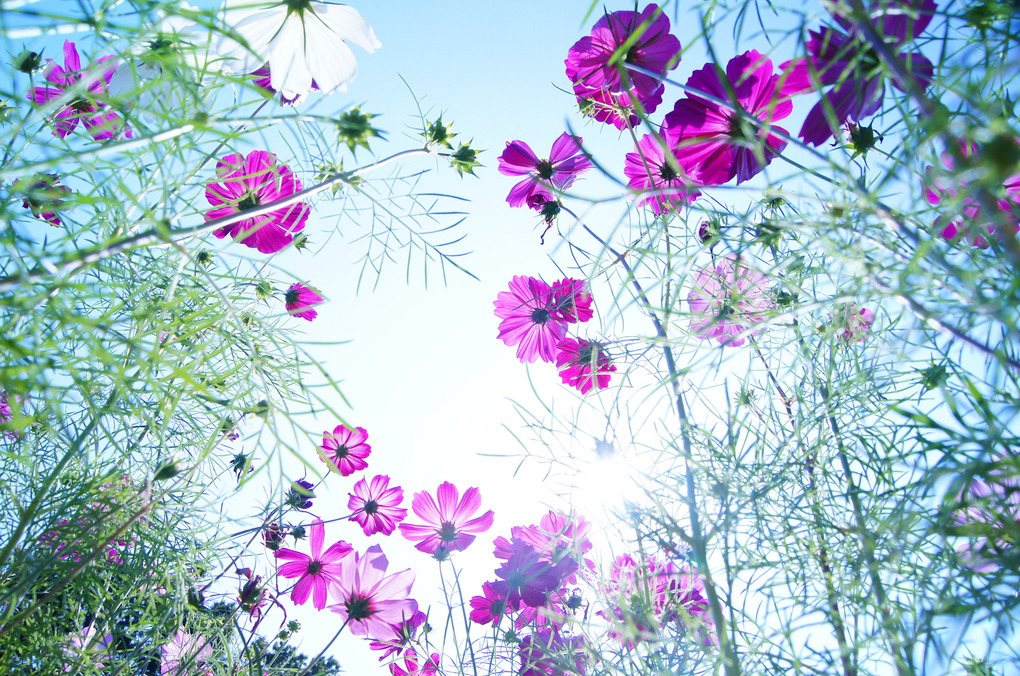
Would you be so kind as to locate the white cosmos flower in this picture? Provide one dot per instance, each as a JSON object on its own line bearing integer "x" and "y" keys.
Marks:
{"x": 300, "y": 40}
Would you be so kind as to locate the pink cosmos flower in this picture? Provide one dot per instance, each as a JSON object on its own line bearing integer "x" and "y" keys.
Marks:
{"x": 370, "y": 600}
{"x": 546, "y": 652}
{"x": 965, "y": 218}
{"x": 490, "y": 606}
{"x": 535, "y": 315}
{"x": 727, "y": 299}
{"x": 416, "y": 666}
{"x": 375, "y": 505}
{"x": 583, "y": 364}
{"x": 855, "y": 322}
{"x": 300, "y": 301}
{"x": 643, "y": 598}
{"x": 605, "y": 88}
{"x": 6, "y": 416}
{"x": 849, "y": 61}
{"x": 85, "y": 649}
{"x": 251, "y": 181}
{"x": 346, "y": 449}
{"x": 44, "y": 196}
{"x": 651, "y": 170}
{"x": 450, "y": 523}
{"x": 400, "y": 636}
{"x": 88, "y": 107}
{"x": 988, "y": 510}
{"x": 733, "y": 138}
{"x": 316, "y": 572}
{"x": 531, "y": 320}
{"x": 565, "y": 163}
{"x": 183, "y": 653}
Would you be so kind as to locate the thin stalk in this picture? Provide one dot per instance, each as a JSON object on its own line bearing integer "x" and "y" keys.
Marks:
{"x": 323, "y": 651}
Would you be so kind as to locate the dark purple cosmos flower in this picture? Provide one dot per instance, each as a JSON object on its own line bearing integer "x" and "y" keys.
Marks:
{"x": 369, "y": 599}
{"x": 44, "y": 196}
{"x": 606, "y": 89}
{"x": 850, "y": 61}
{"x": 88, "y": 107}
{"x": 546, "y": 652}
{"x": 490, "y": 606}
{"x": 728, "y": 298}
{"x": 544, "y": 176}
{"x": 583, "y": 364}
{"x": 346, "y": 448}
{"x": 964, "y": 217}
{"x": 399, "y": 636}
{"x": 300, "y": 301}
{"x": 531, "y": 319}
{"x": 249, "y": 182}
{"x": 526, "y": 577}
{"x": 318, "y": 571}
{"x": 273, "y": 536}
{"x": 728, "y": 132}
{"x": 451, "y": 524}
{"x": 376, "y": 505}
{"x": 301, "y": 494}
{"x": 651, "y": 170}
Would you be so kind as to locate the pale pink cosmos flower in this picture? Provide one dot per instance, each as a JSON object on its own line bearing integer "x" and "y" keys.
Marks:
{"x": 89, "y": 106}
{"x": 317, "y": 571}
{"x": 651, "y": 170}
{"x": 346, "y": 449}
{"x": 369, "y": 599}
{"x": 251, "y": 181}
{"x": 565, "y": 163}
{"x": 584, "y": 364}
{"x": 183, "y": 653}
{"x": 727, "y": 300}
{"x": 376, "y": 505}
{"x": 300, "y": 301}
{"x": 605, "y": 88}
{"x": 725, "y": 123}
{"x": 400, "y": 636}
{"x": 85, "y": 648}
{"x": 450, "y": 522}
{"x": 988, "y": 511}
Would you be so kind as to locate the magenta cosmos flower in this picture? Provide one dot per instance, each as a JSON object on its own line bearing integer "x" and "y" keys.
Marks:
{"x": 654, "y": 171}
{"x": 370, "y": 600}
{"x": 88, "y": 106}
{"x": 854, "y": 321}
{"x": 547, "y": 652}
{"x": 490, "y": 606}
{"x": 376, "y": 505}
{"x": 565, "y": 163}
{"x": 527, "y": 577}
{"x": 850, "y": 62}
{"x": 732, "y": 135}
{"x": 607, "y": 89}
{"x": 346, "y": 449}
{"x": 249, "y": 182}
{"x": 964, "y": 217}
{"x": 583, "y": 364}
{"x": 535, "y": 315}
{"x": 399, "y": 637}
{"x": 300, "y": 301}
{"x": 317, "y": 571}
{"x": 450, "y": 524}
{"x": 728, "y": 299}
{"x": 43, "y": 196}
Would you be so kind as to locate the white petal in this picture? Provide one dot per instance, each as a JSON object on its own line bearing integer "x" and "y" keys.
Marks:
{"x": 331, "y": 61}
{"x": 287, "y": 64}
{"x": 346, "y": 22}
